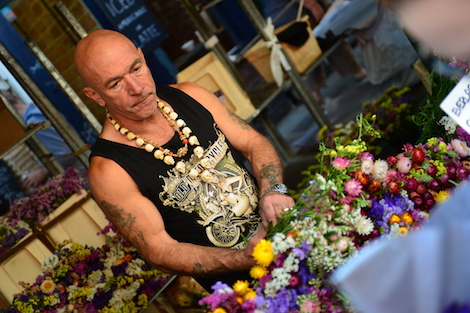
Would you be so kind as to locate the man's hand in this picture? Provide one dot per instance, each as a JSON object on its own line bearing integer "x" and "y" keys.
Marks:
{"x": 35, "y": 178}
{"x": 261, "y": 234}
{"x": 271, "y": 205}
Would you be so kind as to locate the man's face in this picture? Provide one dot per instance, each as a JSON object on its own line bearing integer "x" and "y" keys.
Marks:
{"x": 122, "y": 81}
{"x": 443, "y": 25}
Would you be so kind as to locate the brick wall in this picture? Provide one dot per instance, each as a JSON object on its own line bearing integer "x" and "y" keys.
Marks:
{"x": 38, "y": 20}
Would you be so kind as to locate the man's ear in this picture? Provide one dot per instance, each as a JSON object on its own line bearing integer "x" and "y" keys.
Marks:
{"x": 92, "y": 94}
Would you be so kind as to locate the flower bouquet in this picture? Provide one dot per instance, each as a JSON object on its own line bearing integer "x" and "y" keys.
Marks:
{"x": 354, "y": 200}
{"x": 78, "y": 278}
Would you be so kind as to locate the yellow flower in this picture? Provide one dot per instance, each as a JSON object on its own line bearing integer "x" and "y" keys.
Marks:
{"x": 241, "y": 286}
{"x": 441, "y": 168}
{"x": 442, "y": 147}
{"x": 263, "y": 253}
{"x": 403, "y": 231}
{"x": 402, "y": 91}
{"x": 258, "y": 271}
{"x": 441, "y": 196}
{"x": 394, "y": 219}
{"x": 322, "y": 132}
{"x": 407, "y": 218}
{"x": 333, "y": 153}
{"x": 432, "y": 141}
{"x": 250, "y": 295}
{"x": 219, "y": 310}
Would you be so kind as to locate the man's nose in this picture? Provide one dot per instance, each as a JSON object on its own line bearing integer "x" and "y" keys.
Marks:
{"x": 134, "y": 85}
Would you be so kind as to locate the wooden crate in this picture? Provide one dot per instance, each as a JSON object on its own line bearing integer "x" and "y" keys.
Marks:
{"x": 210, "y": 73}
{"x": 302, "y": 57}
{"x": 81, "y": 224}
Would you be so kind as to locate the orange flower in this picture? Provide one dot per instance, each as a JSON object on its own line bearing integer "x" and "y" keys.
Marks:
{"x": 407, "y": 218}
{"x": 394, "y": 219}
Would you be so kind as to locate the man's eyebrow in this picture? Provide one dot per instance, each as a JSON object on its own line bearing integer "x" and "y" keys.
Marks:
{"x": 110, "y": 80}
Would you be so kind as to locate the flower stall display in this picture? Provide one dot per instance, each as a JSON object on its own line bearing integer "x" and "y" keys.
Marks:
{"x": 353, "y": 200}
{"x": 43, "y": 200}
{"x": 25, "y": 233}
{"x": 80, "y": 278}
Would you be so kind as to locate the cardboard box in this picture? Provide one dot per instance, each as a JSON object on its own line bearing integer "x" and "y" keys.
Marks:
{"x": 210, "y": 73}
{"x": 301, "y": 57}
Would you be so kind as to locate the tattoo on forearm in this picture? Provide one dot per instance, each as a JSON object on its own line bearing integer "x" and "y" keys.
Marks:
{"x": 200, "y": 270}
{"x": 271, "y": 173}
{"x": 126, "y": 222}
{"x": 244, "y": 125}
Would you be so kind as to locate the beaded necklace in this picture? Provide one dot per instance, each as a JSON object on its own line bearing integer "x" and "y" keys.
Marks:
{"x": 160, "y": 153}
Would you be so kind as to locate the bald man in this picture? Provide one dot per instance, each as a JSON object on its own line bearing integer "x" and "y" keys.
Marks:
{"x": 163, "y": 170}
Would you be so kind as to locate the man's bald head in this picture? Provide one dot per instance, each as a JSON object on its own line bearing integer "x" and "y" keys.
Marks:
{"x": 94, "y": 49}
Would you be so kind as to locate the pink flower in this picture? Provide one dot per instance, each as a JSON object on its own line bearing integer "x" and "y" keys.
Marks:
{"x": 459, "y": 147}
{"x": 404, "y": 165}
{"x": 353, "y": 187}
{"x": 341, "y": 163}
{"x": 391, "y": 174}
{"x": 365, "y": 156}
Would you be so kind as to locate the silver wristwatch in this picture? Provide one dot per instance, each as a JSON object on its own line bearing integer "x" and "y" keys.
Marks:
{"x": 281, "y": 188}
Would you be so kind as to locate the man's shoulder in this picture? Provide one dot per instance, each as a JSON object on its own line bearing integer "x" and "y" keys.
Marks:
{"x": 188, "y": 87}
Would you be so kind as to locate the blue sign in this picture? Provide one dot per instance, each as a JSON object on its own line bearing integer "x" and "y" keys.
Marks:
{"x": 133, "y": 19}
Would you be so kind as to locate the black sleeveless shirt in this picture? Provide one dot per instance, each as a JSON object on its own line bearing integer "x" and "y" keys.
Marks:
{"x": 216, "y": 208}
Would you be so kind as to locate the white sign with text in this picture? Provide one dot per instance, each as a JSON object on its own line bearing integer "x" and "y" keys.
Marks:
{"x": 457, "y": 103}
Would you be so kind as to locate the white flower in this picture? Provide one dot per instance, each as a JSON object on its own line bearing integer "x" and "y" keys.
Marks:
{"x": 380, "y": 169}
{"x": 134, "y": 268}
{"x": 449, "y": 124}
{"x": 50, "y": 262}
{"x": 364, "y": 225}
{"x": 341, "y": 245}
{"x": 367, "y": 166}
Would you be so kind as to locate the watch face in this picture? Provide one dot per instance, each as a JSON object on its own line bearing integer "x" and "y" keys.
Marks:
{"x": 281, "y": 188}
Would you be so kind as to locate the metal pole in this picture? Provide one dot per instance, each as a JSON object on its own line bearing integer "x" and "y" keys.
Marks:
{"x": 57, "y": 120}
{"x": 297, "y": 81}
{"x": 60, "y": 80}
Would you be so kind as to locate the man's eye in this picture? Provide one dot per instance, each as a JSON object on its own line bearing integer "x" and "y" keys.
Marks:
{"x": 136, "y": 69}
